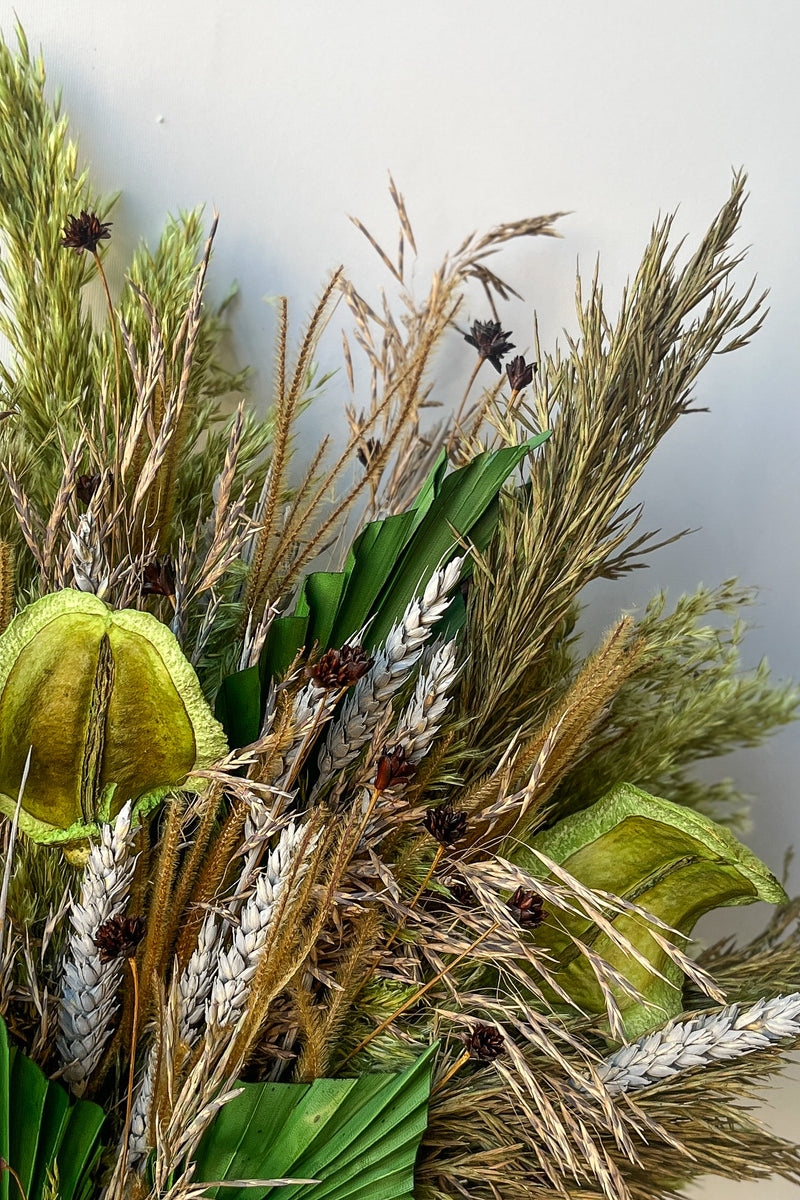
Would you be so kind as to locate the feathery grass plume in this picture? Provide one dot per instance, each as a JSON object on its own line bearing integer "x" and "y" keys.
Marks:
{"x": 688, "y": 700}
{"x": 713, "y": 1037}
{"x": 537, "y": 764}
{"x": 608, "y": 401}
{"x": 393, "y": 664}
{"x": 89, "y": 985}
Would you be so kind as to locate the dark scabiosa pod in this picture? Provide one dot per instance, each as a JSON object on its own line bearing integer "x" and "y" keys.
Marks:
{"x": 339, "y": 668}
{"x": 445, "y": 824}
{"x": 526, "y": 907}
{"x": 86, "y": 487}
{"x": 84, "y": 232}
{"x": 158, "y": 578}
{"x": 485, "y": 1042}
{"x": 118, "y": 937}
{"x": 520, "y": 373}
{"x": 490, "y": 341}
{"x": 393, "y": 768}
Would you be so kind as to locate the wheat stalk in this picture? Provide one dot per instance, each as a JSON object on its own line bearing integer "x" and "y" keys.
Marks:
{"x": 237, "y": 965}
{"x": 700, "y": 1042}
{"x": 89, "y": 986}
{"x": 422, "y": 717}
{"x": 392, "y": 667}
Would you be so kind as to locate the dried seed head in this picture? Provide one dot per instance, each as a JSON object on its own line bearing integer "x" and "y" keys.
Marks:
{"x": 526, "y": 908}
{"x": 339, "y": 668}
{"x": 490, "y": 341}
{"x": 118, "y": 937}
{"x": 520, "y": 373}
{"x": 393, "y": 768}
{"x": 86, "y": 486}
{"x": 461, "y": 892}
{"x": 485, "y": 1043}
{"x": 445, "y": 824}
{"x": 84, "y": 232}
{"x": 158, "y": 578}
{"x": 367, "y": 451}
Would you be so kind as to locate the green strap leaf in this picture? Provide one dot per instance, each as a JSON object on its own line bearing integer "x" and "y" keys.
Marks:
{"x": 41, "y": 1131}
{"x": 27, "y": 1082}
{"x": 359, "y": 1137}
{"x": 5, "y": 1105}
{"x": 461, "y": 501}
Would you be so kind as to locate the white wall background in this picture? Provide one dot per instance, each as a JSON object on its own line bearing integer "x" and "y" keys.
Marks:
{"x": 286, "y": 117}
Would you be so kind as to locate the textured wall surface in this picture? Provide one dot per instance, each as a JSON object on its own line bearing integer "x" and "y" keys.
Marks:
{"x": 286, "y": 116}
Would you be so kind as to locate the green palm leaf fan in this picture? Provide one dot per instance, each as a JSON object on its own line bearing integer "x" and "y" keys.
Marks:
{"x": 358, "y": 1137}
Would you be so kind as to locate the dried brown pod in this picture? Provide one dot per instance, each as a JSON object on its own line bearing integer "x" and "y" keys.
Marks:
{"x": 118, "y": 937}
{"x": 485, "y": 1042}
{"x": 339, "y": 668}
{"x": 393, "y": 768}
{"x": 158, "y": 578}
{"x": 526, "y": 907}
{"x": 445, "y": 823}
{"x": 490, "y": 341}
{"x": 84, "y": 232}
{"x": 520, "y": 373}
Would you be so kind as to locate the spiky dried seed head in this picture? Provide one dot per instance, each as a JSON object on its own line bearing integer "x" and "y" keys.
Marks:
{"x": 118, "y": 937}
{"x": 84, "y": 232}
{"x": 526, "y": 907}
{"x": 367, "y": 451}
{"x": 462, "y": 893}
{"x": 86, "y": 487}
{"x": 490, "y": 341}
{"x": 393, "y": 768}
{"x": 520, "y": 373}
{"x": 158, "y": 578}
{"x": 445, "y": 823}
{"x": 485, "y": 1042}
{"x": 339, "y": 668}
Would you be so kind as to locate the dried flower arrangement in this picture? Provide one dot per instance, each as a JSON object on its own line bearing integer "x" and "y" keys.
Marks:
{"x": 347, "y": 874}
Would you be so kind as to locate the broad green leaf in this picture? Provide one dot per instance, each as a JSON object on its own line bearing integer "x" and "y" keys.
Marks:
{"x": 46, "y": 1131}
{"x": 78, "y": 1148}
{"x": 670, "y": 861}
{"x": 460, "y": 502}
{"x": 29, "y": 1088}
{"x": 430, "y": 488}
{"x": 5, "y": 1106}
{"x": 285, "y": 638}
{"x": 375, "y": 561}
{"x": 388, "y": 564}
{"x": 359, "y": 1137}
{"x": 238, "y": 706}
{"x": 323, "y": 592}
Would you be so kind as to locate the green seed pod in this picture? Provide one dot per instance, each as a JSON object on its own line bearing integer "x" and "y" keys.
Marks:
{"x": 670, "y": 861}
{"x": 108, "y": 705}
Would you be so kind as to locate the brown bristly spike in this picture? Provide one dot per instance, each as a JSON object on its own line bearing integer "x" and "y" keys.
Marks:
{"x": 209, "y": 874}
{"x": 332, "y": 1016}
{"x": 7, "y": 603}
{"x": 161, "y": 922}
{"x": 560, "y": 741}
